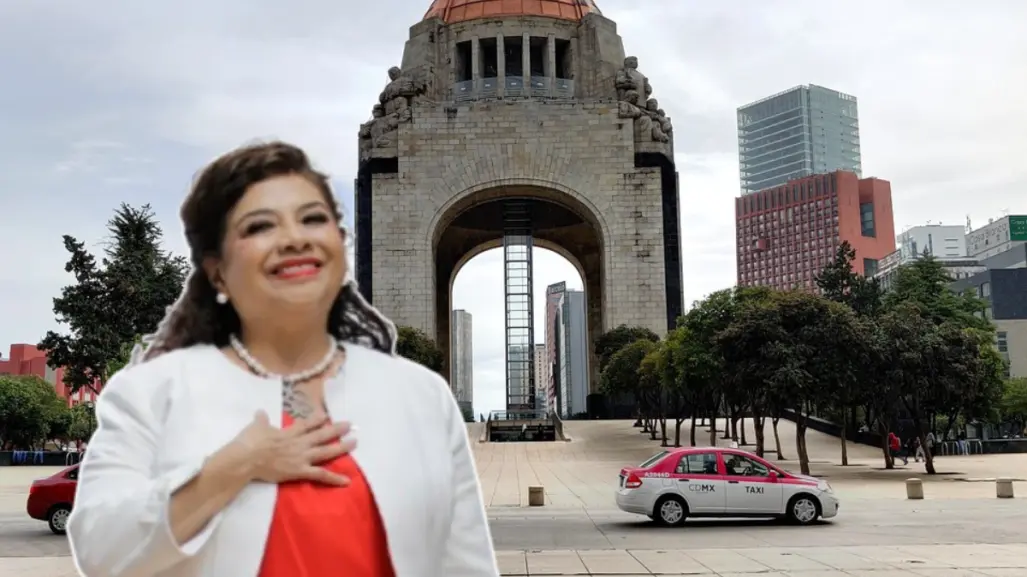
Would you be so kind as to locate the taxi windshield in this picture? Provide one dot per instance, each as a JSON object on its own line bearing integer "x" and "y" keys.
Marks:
{"x": 653, "y": 460}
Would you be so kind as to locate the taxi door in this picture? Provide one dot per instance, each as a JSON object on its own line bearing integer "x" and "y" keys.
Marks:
{"x": 697, "y": 479}
{"x": 750, "y": 489}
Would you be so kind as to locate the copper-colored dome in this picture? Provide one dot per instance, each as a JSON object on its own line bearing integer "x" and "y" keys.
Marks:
{"x": 451, "y": 11}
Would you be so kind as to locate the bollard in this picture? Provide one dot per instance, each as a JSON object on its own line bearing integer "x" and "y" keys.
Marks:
{"x": 536, "y": 496}
{"x": 914, "y": 489}
{"x": 1004, "y": 488}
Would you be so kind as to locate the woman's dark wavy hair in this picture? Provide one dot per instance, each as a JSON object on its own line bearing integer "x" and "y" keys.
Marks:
{"x": 196, "y": 317}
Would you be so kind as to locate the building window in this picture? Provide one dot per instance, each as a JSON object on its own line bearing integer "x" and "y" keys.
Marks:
{"x": 985, "y": 290}
{"x": 869, "y": 267}
{"x": 866, "y": 220}
{"x": 1002, "y": 341}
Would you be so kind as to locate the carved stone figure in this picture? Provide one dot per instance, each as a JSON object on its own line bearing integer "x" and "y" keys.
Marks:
{"x": 393, "y": 109}
{"x": 633, "y": 91}
{"x": 629, "y": 79}
{"x": 661, "y": 128}
{"x": 380, "y": 131}
{"x": 631, "y": 108}
{"x": 399, "y": 92}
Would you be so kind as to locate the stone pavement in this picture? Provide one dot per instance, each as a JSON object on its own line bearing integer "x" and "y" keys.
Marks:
{"x": 922, "y": 561}
{"x": 582, "y": 473}
{"x": 882, "y": 561}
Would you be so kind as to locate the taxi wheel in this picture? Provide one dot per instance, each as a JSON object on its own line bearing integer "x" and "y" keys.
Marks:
{"x": 670, "y": 511}
{"x": 803, "y": 509}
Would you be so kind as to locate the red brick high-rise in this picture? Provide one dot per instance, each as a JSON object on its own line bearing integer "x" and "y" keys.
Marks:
{"x": 787, "y": 234}
{"x": 29, "y": 360}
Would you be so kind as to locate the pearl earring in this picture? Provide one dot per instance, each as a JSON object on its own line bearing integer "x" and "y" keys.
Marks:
{"x": 222, "y": 298}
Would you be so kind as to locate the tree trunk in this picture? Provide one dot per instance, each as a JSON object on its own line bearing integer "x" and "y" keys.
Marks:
{"x": 845, "y": 448}
{"x": 691, "y": 436}
{"x": 800, "y": 439}
{"x": 734, "y": 426}
{"x": 713, "y": 429}
{"x": 928, "y": 457}
{"x": 777, "y": 439}
{"x": 677, "y": 431}
{"x": 758, "y": 420}
{"x": 663, "y": 431}
{"x": 742, "y": 426}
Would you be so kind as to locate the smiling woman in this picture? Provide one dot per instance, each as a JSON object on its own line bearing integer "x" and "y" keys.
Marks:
{"x": 228, "y": 446}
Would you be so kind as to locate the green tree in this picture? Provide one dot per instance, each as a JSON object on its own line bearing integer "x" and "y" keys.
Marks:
{"x": 27, "y": 405}
{"x": 124, "y": 356}
{"x": 670, "y": 366}
{"x": 620, "y": 376}
{"x": 417, "y": 346}
{"x": 1014, "y": 402}
{"x": 925, "y": 283}
{"x": 652, "y": 391}
{"x": 840, "y": 283}
{"x": 112, "y": 302}
{"x": 83, "y": 422}
{"x": 616, "y": 339}
{"x": 938, "y": 368}
{"x": 709, "y": 384}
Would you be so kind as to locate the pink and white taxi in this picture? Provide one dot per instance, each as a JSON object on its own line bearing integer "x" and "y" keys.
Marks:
{"x": 719, "y": 482}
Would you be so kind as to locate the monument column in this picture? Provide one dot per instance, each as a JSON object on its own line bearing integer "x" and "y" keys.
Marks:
{"x": 526, "y": 62}
{"x": 551, "y": 63}
{"x": 501, "y": 65}
{"x": 476, "y": 66}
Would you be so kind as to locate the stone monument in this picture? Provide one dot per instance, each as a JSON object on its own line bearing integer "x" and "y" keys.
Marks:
{"x": 532, "y": 101}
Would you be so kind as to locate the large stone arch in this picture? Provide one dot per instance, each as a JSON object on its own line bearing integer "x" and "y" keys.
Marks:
{"x": 565, "y": 223}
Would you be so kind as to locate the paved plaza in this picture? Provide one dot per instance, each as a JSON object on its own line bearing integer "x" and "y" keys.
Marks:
{"x": 960, "y": 529}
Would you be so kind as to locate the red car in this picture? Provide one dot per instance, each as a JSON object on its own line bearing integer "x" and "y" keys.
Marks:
{"x": 50, "y": 499}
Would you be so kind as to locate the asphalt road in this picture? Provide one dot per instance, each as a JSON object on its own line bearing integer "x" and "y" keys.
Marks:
{"x": 871, "y": 522}
{"x": 860, "y": 523}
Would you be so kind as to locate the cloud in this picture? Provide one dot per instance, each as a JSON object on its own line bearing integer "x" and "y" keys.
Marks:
{"x": 112, "y": 101}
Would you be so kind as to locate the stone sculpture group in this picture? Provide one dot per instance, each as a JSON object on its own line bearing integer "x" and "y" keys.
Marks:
{"x": 634, "y": 102}
{"x": 393, "y": 109}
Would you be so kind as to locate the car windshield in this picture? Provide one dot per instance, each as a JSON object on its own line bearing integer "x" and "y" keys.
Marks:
{"x": 653, "y": 460}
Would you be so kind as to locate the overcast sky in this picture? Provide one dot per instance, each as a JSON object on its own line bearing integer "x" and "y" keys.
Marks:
{"x": 103, "y": 102}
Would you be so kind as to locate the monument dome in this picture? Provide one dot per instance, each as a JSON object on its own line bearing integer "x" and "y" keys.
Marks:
{"x": 450, "y": 11}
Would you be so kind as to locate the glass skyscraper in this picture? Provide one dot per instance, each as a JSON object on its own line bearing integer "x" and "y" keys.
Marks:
{"x": 797, "y": 133}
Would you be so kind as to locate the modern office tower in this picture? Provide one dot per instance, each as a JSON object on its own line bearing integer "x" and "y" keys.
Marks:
{"x": 554, "y": 293}
{"x": 571, "y": 354}
{"x": 797, "y": 133}
{"x": 462, "y": 362}
{"x": 541, "y": 378}
{"x": 787, "y": 234}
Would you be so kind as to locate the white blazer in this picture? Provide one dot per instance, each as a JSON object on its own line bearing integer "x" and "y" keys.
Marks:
{"x": 159, "y": 420}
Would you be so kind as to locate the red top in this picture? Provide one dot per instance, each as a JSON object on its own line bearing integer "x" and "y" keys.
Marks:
{"x": 322, "y": 531}
{"x": 894, "y": 442}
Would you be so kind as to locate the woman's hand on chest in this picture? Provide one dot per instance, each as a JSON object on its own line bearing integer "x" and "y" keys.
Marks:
{"x": 294, "y": 453}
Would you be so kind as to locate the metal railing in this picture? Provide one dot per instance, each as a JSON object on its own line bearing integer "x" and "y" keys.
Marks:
{"x": 513, "y": 87}
{"x": 518, "y": 416}
{"x": 463, "y": 91}
{"x": 489, "y": 88}
{"x": 563, "y": 88}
